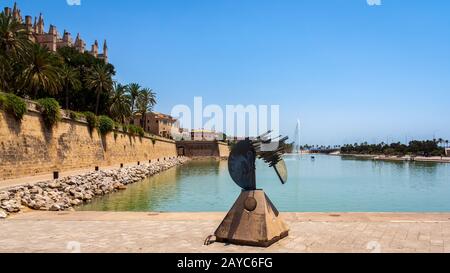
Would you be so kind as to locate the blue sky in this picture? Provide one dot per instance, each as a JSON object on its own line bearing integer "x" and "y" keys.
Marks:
{"x": 349, "y": 71}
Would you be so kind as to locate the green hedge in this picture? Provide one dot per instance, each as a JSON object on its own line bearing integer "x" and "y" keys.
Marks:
{"x": 51, "y": 111}
{"x": 13, "y": 105}
{"x": 140, "y": 131}
{"x": 136, "y": 130}
{"x": 106, "y": 124}
{"x": 131, "y": 129}
{"x": 75, "y": 115}
{"x": 92, "y": 120}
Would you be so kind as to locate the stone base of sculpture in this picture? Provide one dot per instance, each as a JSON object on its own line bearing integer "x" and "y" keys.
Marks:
{"x": 253, "y": 221}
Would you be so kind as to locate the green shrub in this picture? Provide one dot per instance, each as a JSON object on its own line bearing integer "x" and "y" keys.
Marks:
{"x": 124, "y": 128}
{"x": 106, "y": 125}
{"x": 51, "y": 111}
{"x": 135, "y": 130}
{"x": 92, "y": 120}
{"x": 132, "y": 129}
{"x": 13, "y": 105}
{"x": 75, "y": 115}
{"x": 140, "y": 131}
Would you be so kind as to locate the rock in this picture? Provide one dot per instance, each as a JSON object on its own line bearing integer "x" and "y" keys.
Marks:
{"x": 54, "y": 185}
{"x": 39, "y": 204}
{"x": 36, "y": 190}
{"x": 87, "y": 197}
{"x": 55, "y": 207}
{"x": 4, "y": 196}
{"x": 78, "y": 195}
{"x": 11, "y": 206}
{"x": 26, "y": 201}
{"x": 30, "y": 204}
{"x": 3, "y": 214}
{"x": 76, "y": 202}
{"x": 98, "y": 192}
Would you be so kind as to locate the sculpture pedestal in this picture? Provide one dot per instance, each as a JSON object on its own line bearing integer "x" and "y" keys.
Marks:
{"x": 253, "y": 220}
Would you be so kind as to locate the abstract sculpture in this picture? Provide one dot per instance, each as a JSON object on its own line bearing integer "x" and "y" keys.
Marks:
{"x": 253, "y": 220}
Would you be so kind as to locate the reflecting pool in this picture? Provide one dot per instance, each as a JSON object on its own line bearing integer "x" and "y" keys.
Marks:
{"x": 326, "y": 184}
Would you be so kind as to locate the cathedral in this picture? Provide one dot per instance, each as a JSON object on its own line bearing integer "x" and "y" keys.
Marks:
{"x": 52, "y": 39}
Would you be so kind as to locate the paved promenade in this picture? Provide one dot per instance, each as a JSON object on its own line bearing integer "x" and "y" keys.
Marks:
{"x": 185, "y": 232}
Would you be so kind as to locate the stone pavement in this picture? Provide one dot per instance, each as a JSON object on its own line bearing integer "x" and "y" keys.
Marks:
{"x": 185, "y": 232}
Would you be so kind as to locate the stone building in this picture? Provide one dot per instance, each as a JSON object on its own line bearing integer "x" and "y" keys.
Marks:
{"x": 52, "y": 39}
{"x": 447, "y": 152}
{"x": 205, "y": 135}
{"x": 157, "y": 124}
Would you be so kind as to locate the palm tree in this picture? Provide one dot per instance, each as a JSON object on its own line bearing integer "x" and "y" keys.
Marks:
{"x": 120, "y": 108}
{"x": 13, "y": 44}
{"x": 13, "y": 37}
{"x": 70, "y": 81}
{"x": 41, "y": 72}
{"x": 144, "y": 103}
{"x": 4, "y": 75}
{"x": 133, "y": 90}
{"x": 99, "y": 78}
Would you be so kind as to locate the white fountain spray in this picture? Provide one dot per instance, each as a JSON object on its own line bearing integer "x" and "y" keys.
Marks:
{"x": 297, "y": 147}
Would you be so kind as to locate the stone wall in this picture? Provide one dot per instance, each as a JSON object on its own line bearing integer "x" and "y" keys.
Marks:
{"x": 28, "y": 148}
{"x": 203, "y": 149}
{"x": 224, "y": 149}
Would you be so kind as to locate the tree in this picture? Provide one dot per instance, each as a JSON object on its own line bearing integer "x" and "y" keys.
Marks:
{"x": 70, "y": 81}
{"x": 99, "y": 79}
{"x": 144, "y": 103}
{"x": 13, "y": 44}
{"x": 4, "y": 74}
{"x": 120, "y": 108}
{"x": 41, "y": 73}
{"x": 13, "y": 37}
{"x": 133, "y": 90}
{"x": 84, "y": 98}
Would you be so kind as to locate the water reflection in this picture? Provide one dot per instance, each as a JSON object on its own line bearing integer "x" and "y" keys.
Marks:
{"x": 327, "y": 184}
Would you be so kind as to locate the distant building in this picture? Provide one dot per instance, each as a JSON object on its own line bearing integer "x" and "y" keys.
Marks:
{"x": 447, "y": 152}
{"x": 51, "y": 39}
{"x": 184, "y": 134}
{"x": 206, "y": 135}
{"x": 157, "y": 124}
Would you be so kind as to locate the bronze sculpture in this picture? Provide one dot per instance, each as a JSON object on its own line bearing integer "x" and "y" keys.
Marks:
{"x": 253, "y": 220}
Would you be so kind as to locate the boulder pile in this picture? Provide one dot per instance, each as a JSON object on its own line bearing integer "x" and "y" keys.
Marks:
{"x": 68, "y": 192}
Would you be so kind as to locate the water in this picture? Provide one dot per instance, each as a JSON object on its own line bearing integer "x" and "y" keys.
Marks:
{"x": 327, "y": 184}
